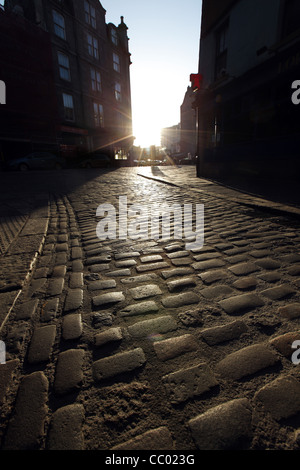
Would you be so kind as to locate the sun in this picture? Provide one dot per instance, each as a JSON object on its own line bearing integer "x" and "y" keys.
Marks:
{"x": 148, "y": 111}
{"x": 146, "y": 132}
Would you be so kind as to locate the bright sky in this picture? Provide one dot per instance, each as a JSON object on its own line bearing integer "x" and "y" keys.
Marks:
{"x": 164, "y": 44}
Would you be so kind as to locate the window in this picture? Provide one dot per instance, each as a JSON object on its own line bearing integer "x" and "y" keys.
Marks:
{"x": 90, "y": 14}
{"x": 118, "y": 91}
{"x": 96, "y": 80}
{"x": 98, "y": 115}
{"x": 64, "y": 66}
{"x": 291, "y": 17}
{"x": 114, "y": 36}
{"x": 69, "y": 107}
{"x": 93, "y": 46}
{"x": 59, "y": 24}
{"x": 116, "y": 62}
{"x": 221, "y": 50}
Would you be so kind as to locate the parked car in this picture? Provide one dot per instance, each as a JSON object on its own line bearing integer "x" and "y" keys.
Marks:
{"x": 187, "y": 161}
{"x": 37, "y": 161}
{"x": 95, "y": 160}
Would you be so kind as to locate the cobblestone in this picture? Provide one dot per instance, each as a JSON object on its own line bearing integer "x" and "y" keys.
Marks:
{"x": 283, "y": 343}
{"x": 156, "y": 439}
{"x": 29, "y": 414}
{"x": 108, "y": 336}
{"x": 203, "y": 265}
{"x": 144, "y": 328}
{"x": 118, "y": 364}
{"x": 150, "y": 258}
{"x": 140, "y": 278}
{"x": 7, "y": 372}
{"x": 27, "y": 309}
{"x": 217, "y": 292}
{"x": 245, "y": 283}
{"x": 180, "y": 284}
{"x": 109, "y": 298}
{"x": 141, "y": 308}
{"x": 41, "y": 344}
{"x": 210, "y": 277}
{"x": 76, "y": 280}
{"x": 72, "y": 326}
{"x": 188, "y": 383}
{"x": 241, "y": 303}
{"x": 66, "y": 428}
{"x": 179, "y": 300}
{"x": 128, "y": 263}
{"x": 268, "y": 263}
{"x": 177, "y": 272}
{"x": 55, "y": 286}
{"x": 172, "y": 347}
{"x": 246, "y": 361}
{"x": 127, "y": 345}
{"x": 49, "y": 310}
{"x": 220, "y": 334}
{"x": 59, "y": 271}
{"x": 281, "y": 398}
{"x": 74, "y": 300}
{"x": 278, "y": 292}
{"x": 290, "y": 311}
{"x": 143, "y": 292}
{"x": 101, "y": 285}
{"x": 69, "y": 375}
{"x": 243, "y": 268}
{"x": 223, "y": 427}
{"x": 129, "y": 254}
{"x": 152, "y": 266}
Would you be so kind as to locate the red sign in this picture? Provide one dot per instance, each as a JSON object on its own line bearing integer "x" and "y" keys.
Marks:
{"x": 196, "y": 80}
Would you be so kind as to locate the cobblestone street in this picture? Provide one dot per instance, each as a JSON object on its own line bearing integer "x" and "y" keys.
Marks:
{"x": 143, "y": 344}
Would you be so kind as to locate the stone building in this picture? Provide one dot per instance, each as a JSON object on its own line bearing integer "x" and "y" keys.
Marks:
{"x": 188, "y": 125}
{"x": 249, "y": 60}
{"x": 91, "y": 73}
{"x": 170, "y": 139}
{"x": 28, "y": 117}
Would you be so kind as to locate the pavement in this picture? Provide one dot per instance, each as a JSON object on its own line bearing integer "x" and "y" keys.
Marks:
{"x": 144, "y": 344}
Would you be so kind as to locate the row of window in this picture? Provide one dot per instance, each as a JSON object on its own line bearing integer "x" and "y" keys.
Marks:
{"x": 290, "y": 24}
{"x": 90, "y": 18}
{"x": 65, "y": 74}
{"x": 98, "y": 112}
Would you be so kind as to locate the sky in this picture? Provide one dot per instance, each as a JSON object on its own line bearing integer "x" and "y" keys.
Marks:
{"x": 164, "y": 45}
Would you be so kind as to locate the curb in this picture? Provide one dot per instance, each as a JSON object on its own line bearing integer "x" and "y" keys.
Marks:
{"x": 243, "y": 198}
{"x": 29, "y": 266}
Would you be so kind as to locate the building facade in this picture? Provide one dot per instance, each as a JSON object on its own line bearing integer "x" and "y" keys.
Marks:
{"x": 188, "y": 125}
{"x": 249, "y": 60}
{"x": 170, "y": 139}
{"x": 91, "y": 73}
{"x": 28, "y": 117}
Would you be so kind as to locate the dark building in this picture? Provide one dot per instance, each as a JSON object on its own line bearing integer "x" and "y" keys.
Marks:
{"x": 90, "y": 64}
{"x": 249, "y": 59}
{"x": 188, "y": 125}
{"x": 28, "y": 118}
